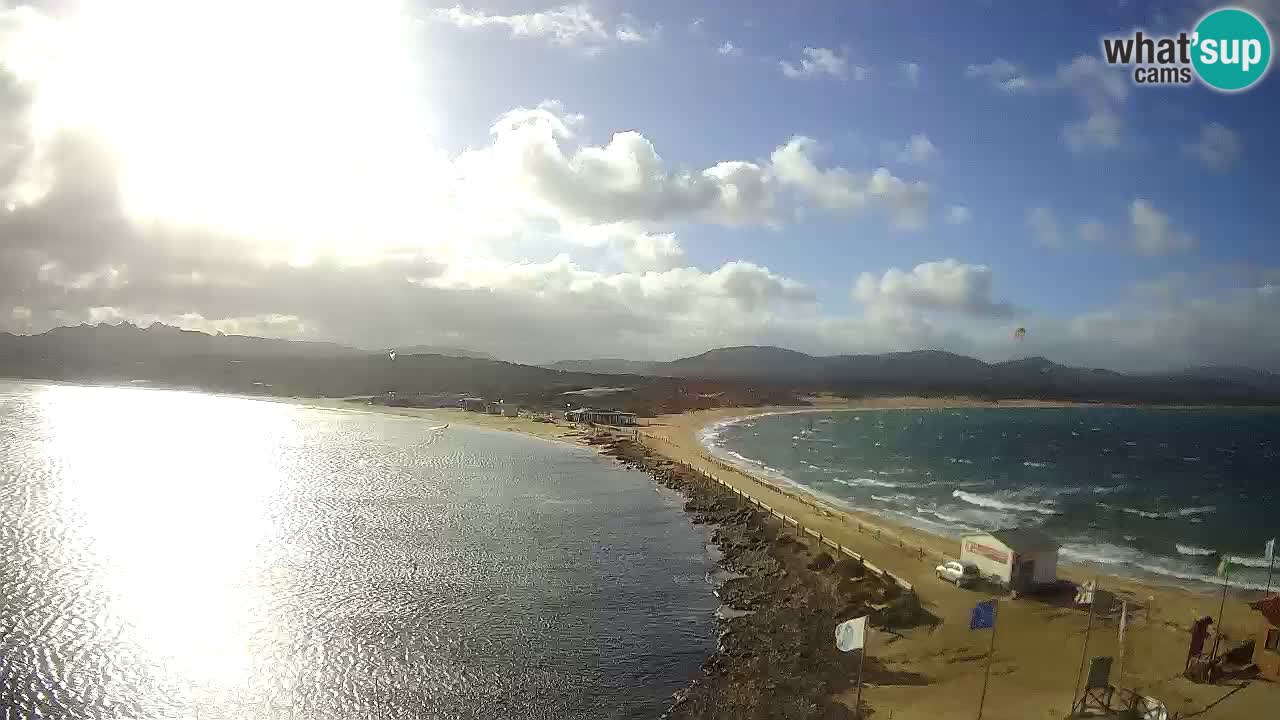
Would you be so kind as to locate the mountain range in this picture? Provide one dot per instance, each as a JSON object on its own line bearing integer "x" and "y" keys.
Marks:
{"x": 938, "y": 372}
{"x": 166, "y": 355}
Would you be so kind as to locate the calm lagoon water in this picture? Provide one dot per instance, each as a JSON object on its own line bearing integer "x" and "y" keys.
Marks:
{"x": 171, "y": 553}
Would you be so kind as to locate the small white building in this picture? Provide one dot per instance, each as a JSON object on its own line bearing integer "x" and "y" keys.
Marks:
{"x": 1019, "y": 558}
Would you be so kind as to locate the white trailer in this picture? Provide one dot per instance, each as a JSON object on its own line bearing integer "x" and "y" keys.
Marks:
{"x": 1019, "y": 558}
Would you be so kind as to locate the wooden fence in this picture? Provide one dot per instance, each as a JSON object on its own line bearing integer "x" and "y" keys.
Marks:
{"x": 787, "y": 520}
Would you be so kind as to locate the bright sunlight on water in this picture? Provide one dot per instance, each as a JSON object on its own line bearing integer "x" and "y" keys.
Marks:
{"x": 167, "y": 553}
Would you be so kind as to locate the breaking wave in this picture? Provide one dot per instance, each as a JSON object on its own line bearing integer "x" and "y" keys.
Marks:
{"x": 867, "y": 482}
{"x": 1167, "y": 515}
{"x": 1193, "y": 550}
{"x": 990, "y": 502}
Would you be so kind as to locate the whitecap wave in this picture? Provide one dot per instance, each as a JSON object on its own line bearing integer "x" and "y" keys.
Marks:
{"x": 1190, "y": 570}
{"x": 867, "y": 482}
{"x": 1193, "y": 550}
{"x": 1256, "y": 562}
{"x": 1167, "y": 515}
{"x": 940, "y": 515}
{"x": 1032, "y": 464}
{"x": 1044, "y": 508}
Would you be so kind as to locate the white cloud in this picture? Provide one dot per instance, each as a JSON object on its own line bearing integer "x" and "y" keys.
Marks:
{"x": 910, "y": 71}
{"x": 1154, "y": 233}
{"x": 1094, "y": 79}
{"x": 839, "y": 189}
{"x": 1101, "y": 89}
{"x": 563, "y": 25}
{"x": 1091, "y": 231}
{"x": 958, "y": 215}
{"x": 1002, "y": 74}
{"x": 821, "y": 61}
{"x": 919, "y": 150}
{"x": 533, "y": 155}
{"x": 728, "y": 48}
{"x": 1044, "y": 227}
{"x": 944, "y": 285}
{"x": 1101, "y": 130}
{"x": 1218, "y": 148}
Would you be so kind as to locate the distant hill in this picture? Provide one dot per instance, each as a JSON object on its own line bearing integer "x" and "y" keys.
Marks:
{"x": 1245, "y": 376}
{"x": 160, "y": 340}
{"x": 164, "y": 355}
{"x": 607, "y": 366}
{"x": 170, "y": 356}
{"x": 434, "y": 350}
{"x": 936, "y": 372}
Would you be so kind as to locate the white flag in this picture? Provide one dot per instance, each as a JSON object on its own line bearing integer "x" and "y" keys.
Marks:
{"x": 1271, "y": 551}
{"x": 852, "y": 634}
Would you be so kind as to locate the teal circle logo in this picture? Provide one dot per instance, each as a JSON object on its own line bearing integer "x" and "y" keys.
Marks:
{"x": 1231, "y": 49}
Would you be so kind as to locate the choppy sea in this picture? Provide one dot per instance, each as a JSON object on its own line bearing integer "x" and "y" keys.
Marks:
{"x": 1153, "y": 493}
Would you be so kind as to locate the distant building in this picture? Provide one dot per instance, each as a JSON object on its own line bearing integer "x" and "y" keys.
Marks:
{"x": 600, "y": 417}
{"x": 472, "y": 404}
{"x": 1266, "y": 649}
{"x": 1019, "y": 558}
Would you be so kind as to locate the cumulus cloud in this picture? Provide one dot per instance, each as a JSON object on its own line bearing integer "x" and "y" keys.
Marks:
{"x": 1091, "y": 231}
{"x": 1044, "y": 227}
{"x": 944, "y": 285}
{"x": 728, "y": 48}
{"x": 1102, "y": 129}
{"x": 535, "y": 153}
{"x": 563, "y": 25}
{"x": 822, "y": 61}
{"x": 958, "y": 215}
{"x": 541, "y": 243}
{"x": 1002, "y": 75}
{"x": 839, "y": 189}
{"x": 919, "y": 150}
{"x": 1154, "y": 233}
{"x": 911, "y": 72}
{"x": 1101, "y": 90}
{"x": 1218, "y": 147}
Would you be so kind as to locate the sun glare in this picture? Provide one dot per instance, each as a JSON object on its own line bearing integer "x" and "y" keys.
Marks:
{"x": 297, "y": 122}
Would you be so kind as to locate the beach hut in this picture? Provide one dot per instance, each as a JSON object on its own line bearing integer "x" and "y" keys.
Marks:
{"x": 1019, "y": 558}
{"x": 1266, "y": 650}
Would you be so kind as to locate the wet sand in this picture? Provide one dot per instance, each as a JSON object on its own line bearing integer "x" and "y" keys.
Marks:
{"x": 1038, "y": 649}
{"x": 1040, "y": 641}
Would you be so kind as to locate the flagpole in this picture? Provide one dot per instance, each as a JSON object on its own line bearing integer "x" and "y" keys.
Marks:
{"x": 1271, "y": 563}
{"x": 1124, "y": 621}
{"x": 1222, "y": 608}
{"x": 991, "y": 653}
{"x": 858, "y": 703}
{"x": 1084, "y": 651}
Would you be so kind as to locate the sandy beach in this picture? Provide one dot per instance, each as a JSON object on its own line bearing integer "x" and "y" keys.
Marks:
{"x": 1039, "y": 645}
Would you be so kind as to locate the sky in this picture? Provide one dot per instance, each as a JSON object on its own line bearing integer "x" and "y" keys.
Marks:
{"x": 646, "y": 180}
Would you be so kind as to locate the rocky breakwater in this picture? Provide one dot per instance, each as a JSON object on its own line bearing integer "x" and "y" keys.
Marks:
{"x": 778, "y": 658}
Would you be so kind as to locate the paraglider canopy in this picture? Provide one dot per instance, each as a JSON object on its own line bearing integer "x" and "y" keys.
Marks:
{"x": 1020, "y": 333}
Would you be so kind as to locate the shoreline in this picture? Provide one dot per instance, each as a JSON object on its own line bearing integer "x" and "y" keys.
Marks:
{"x": 1157, "y": 638}
{"x": 1041, "y": 641}
{"x": 839, "y": 505}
